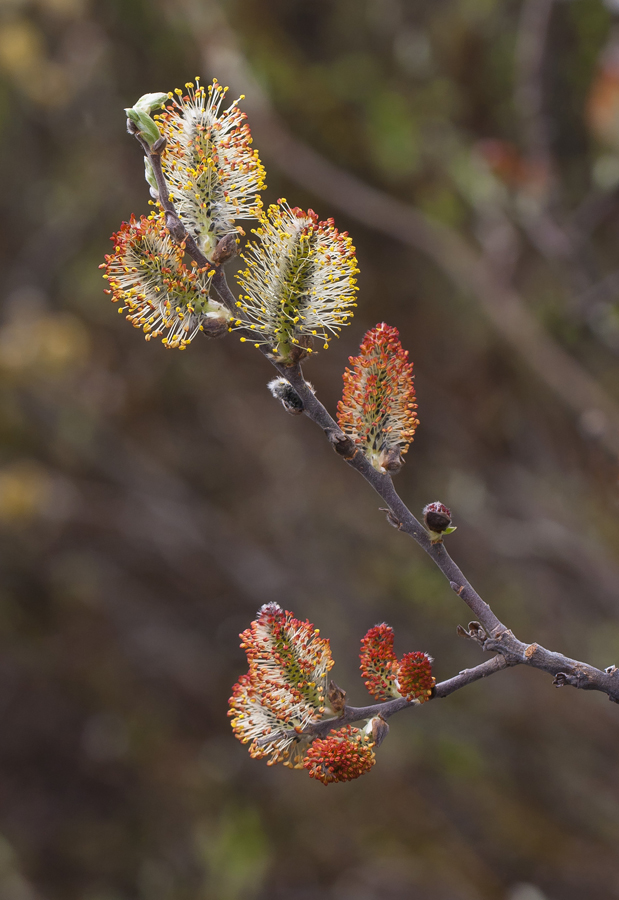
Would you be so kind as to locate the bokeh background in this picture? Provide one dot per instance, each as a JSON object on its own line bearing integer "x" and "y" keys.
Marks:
{"x": 151, "y": 500}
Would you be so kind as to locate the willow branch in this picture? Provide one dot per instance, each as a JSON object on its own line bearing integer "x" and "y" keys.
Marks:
{"x": 489, "y": 632}
{"x": 452, "y": 254}
{"x": 387, "y": 709}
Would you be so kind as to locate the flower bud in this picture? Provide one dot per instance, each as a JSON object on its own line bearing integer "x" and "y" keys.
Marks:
{"x": 148, "y": 102}
{"x": 226, "y": 249}
{"x": 379, "y": 664}
{"x": 336, "y": 697}
{"x": 284, "y": 391}
{"x": 378, "y": 729}
{"x": 215, "y": 326}
{"x": 437, "y": 518}
{"x": 144, "y": 124}
{"x": 391, "y": 460}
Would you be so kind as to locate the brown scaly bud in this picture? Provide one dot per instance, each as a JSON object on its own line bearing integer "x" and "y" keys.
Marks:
{"x": 215, "y": 328}
{"x": 393, "y": 520}
{"x": 336, "y": 697}
{"x": 391, "y": 460}
{"x": 342, "y": 445}
{"x": 437, "y": 518}
{"x": 226, "y": 249}
{"x": 284, "y": 391}
{"x": 380, "y": 730}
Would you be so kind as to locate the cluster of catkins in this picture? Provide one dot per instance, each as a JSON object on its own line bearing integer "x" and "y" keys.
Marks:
{"x": 297, "y": 289}
{"x": 285, "y": 692}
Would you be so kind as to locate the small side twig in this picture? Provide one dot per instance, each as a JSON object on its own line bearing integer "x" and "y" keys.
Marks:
{"x": 173, "y": 223}
{"x": 489, "y": 631}
{"x": 389, "y": 708}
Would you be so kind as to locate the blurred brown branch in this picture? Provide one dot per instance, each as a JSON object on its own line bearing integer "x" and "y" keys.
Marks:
{"x": 557, "y": 242}
{"x": 535, "y": 18}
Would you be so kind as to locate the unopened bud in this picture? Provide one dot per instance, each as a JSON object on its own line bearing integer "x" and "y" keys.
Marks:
{"x": 215, "y": 326}
{"x": 393, "y": 520}
{"x": 140, "y": 112}
{"x": 143, "y": 123}
{"x": 380, "y": 730}
{"x": 437, "y": 518}
{"x": 336, "y": 697}
{"x": 342, "y": 444}
{"x": 226, "y": 249}
{"x": 284, "y": 391}
{"x": 148, "y": 102}
{"x": 391, "y": 460}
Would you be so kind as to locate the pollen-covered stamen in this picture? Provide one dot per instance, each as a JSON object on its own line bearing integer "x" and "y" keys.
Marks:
{"x": 299, "y": 282}
{"x": 377, "y": 409}
{"x": 213, "y": 174}
{"x": 343, "y": 755}
{"x": 379, "y": 664}
{"x": 284, "y": 690}
{"x": 290, "y": 652}
{"x": 272, "y": 736}
{"x": 161, "y": 295}
{"x": 415, "y": 681}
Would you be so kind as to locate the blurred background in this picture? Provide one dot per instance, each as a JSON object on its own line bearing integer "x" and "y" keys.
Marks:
{"x": 150, "y": 501}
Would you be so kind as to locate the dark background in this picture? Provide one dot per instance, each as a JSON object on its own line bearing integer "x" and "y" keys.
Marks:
{"x": 151, "y": 500}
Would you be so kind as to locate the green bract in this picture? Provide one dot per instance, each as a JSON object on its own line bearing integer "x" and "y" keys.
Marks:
{"x": 148, "y": 102}
{"x": 140, "y": 115}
